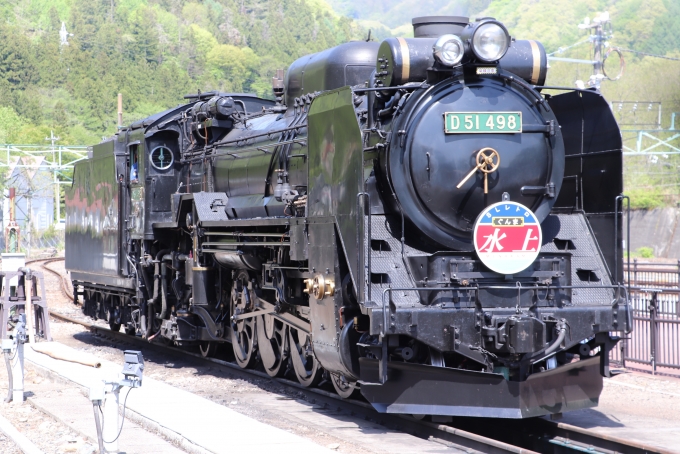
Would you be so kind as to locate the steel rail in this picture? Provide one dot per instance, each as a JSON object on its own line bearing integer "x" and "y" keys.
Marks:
{"x": 553, "y": 437}
{"x": 580, "y": 438}
{"x": 451, "y": 436}
{"x": 62, "y": 280}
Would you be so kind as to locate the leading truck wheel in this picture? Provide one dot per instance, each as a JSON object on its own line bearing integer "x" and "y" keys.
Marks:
{"x": 343, "y": 387}
{"x": 243, "y": 335}
{"x": 208, "y": 349}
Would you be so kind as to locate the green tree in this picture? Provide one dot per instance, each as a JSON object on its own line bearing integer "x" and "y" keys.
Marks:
{"x": 10, "y": 124}
{"x": 16, "y": 57}
{"x": 153, "y": 52}
{"x": 229, "y": 63}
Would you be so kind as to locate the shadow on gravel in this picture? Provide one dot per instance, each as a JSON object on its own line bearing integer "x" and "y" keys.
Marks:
{"x": 201, "y": 379}
{"x": 204, "y": 379}
{"x": 156, "y": 354}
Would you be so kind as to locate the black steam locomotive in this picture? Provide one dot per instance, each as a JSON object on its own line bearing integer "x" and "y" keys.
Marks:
{"x": 415, "y": 219}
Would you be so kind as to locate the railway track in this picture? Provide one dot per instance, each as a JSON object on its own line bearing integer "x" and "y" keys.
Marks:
{"x": 471, "y": 435}
{"x": 63, "y": 283}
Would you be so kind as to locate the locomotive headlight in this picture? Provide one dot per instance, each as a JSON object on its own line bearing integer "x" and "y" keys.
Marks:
{"x": 449, "y": 50}
{"x": 490, "y": 41}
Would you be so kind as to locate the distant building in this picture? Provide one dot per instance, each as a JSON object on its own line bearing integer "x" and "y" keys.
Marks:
{"x": 32, "y": 178}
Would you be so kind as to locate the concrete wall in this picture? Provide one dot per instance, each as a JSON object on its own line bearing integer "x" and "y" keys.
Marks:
{"x": 657, "y": 229}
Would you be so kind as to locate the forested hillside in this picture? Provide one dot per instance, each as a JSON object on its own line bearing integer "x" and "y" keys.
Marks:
{"x": 647, "y": 27}
{"x": 152, "y": 51}
{"x": 650, "y": 25}
{"x": 155, "y": 51}
{"x": 387, "y": 17}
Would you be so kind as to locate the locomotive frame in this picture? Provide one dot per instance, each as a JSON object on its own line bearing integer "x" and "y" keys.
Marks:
{"x": 313, "y": 234}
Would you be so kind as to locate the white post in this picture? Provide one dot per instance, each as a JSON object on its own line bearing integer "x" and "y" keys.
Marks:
{"x": 18, "y": 374}
{"x": 29, "y": 310}
{"x": 111, "y": 420}
{"x": 27, "y": 222}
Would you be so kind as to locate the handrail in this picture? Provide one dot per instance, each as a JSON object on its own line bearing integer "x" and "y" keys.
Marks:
{"x": 643, "y": 289}
{"x": 367, "y": 234}
{"x": 616, "y": 236}
{"x": 671, "y": 265}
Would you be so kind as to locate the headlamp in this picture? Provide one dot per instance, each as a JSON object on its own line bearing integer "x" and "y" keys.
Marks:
{"x": 488, "y": 39}
{"x": 449, "y": 50}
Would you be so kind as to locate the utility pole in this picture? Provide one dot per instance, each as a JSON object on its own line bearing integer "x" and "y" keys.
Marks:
{"x": 598, "y": 39}
{"x": 57, "y": 210}
{"x": 598, "y": 42}
{"x": 29, "y": 218}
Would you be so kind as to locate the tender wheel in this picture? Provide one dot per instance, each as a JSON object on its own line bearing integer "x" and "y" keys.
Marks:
{"x": 208, "y": 349}
{"x": 272, "y": 343}
{"x": 243, "y": 336}
{"x": 307, "y": 368}
{"x": 343, "y": 387}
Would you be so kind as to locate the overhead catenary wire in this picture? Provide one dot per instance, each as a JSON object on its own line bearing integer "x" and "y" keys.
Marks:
{"x": 598, "y": 39}
{"x": 647, "y": 54}
{"x": 564, "y": 49}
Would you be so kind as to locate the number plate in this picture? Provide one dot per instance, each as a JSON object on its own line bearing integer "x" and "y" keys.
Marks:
{"x": 482, "y": 122}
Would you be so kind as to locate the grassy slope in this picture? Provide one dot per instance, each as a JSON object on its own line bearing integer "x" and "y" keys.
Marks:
{"x": 152, "y": 51}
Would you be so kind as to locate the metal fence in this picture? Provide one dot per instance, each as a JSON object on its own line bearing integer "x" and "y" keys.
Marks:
{"x": 40, "y": 244}
{"x": 651, "y": 274}
{"x": 654, "y": 344}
